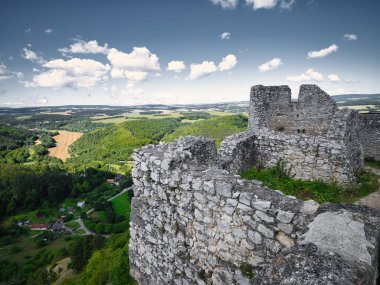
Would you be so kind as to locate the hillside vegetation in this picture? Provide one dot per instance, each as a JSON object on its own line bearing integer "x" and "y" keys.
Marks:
{"x": 216, "y": 128}
{"x": 11, "y": 138}
{"x": 117, "y": 142}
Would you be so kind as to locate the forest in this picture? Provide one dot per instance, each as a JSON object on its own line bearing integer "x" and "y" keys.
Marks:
{"x": 33, "y": 184}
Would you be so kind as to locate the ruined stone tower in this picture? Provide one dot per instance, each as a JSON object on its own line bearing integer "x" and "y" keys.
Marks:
{"x": 315, "y": 139}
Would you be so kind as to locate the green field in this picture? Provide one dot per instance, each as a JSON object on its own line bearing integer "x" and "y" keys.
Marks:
{"x": 216, "y": 128}
{"x": 121, "y": 205}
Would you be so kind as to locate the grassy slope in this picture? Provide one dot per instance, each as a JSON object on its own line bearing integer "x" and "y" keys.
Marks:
{"x": 117, "y": 142}
{"x": 121, "y": 205}
{"x": 215, "y": 128}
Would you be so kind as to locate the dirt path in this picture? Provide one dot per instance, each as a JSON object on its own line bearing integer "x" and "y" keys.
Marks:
{"x": 372, "y": 200}
{"x": 83, "y": 227}
{"x": 64, "y": 139}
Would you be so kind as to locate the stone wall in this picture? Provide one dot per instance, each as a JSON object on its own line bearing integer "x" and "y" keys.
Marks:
{"x": 195, "y": 223}
{"x": 370, "y": 135}
{"x": 271, "y": 107}
{"x": 312, "y": 137}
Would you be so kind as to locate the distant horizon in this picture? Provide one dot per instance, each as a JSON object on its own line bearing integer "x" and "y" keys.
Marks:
{"x": 159, "y": 104}
{"x": 182, "y": 52}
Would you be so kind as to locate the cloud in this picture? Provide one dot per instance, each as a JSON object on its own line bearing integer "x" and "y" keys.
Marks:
{"x": 314, "y": 75}
{"x": 225, "y": 4}
{"x": 90, "y": 47}
{"x": 131, "y": 89}
{"x": 287, "y": 4}
{"x": 225, "y": 36}
{"x": 350, "y": 37}
{"x": 310, "y": 74}
{"x": 227, "y": 62}
{"x": 323, "y": 52}
{"x": 298, "y": 78}
{"x": 176, "y": 66}
{"x": 349, "y": 80}
{"x": 202, "y": 70}
{"x": 140, "y": 59}
{"x": 4, "y": 72}
{"x": 48, "y": 31}
{"x": 131, "y": 75}
{"x": 3, "y": 91}
{"x": 74, "y": 73}
{"x": 261, "y": 4}
{"x": 28, "y": 30}
{"x": 32, "y": 56}
{"x": 334, "y": 78}
{"x": 271, "y": 65}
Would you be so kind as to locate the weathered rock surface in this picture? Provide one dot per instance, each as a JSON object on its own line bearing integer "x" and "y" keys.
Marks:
{"x": 194, "y": 223}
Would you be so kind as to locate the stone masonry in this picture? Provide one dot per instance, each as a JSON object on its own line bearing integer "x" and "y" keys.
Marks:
{"x": 195, "y": 223}
{"x": 311, "y": 136}
{"x": 370, "y": 135}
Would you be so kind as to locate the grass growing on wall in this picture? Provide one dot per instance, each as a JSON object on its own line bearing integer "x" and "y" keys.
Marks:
{"x": 279, "y": 179}
{"x": 372, "y": 163}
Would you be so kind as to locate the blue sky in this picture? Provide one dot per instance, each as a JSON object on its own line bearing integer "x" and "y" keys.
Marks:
{"x": 127, "y": 52}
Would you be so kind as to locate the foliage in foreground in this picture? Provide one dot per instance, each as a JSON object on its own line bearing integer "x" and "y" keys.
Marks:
{"x": 108, "y": 265}
{"x": 279, "y": 178}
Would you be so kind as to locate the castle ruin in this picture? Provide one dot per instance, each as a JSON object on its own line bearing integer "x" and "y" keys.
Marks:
{"x": 195, "y": 221}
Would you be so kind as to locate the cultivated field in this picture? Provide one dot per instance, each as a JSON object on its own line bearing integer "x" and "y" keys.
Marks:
{"x": 64, "y": 140}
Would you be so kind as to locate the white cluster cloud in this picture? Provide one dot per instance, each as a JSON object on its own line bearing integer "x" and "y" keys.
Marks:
{"x": 86, "y": 73}
{"x": 270, "y": 4}
{"x": 32, "y": 56}
{"x": 90, "y": 47}
{"x": 334, "y": 78}
{"x": 201, "y": 70}
{"x": 73, "y": 73}
{"x": 225, "y": 4}
{"x": 350, "y": 37}
{"x": 310, "y": 74}
{"x": 4, "y": 72}
{"x": 225, "y": 36}
{"x": 261, "y": 4}
{"x": 227, "y": 62}
{"x": 323, "y": 52}
{"x": 131, "y": 75}
{"x": 135, "y": 65}
{"x": 176, "y": 66}
{"x": 48, "y": 31}
{"x": 270, "y": 65}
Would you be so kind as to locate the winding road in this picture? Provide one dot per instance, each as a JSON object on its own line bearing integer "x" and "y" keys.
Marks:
{"x": 80, "y": 220}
